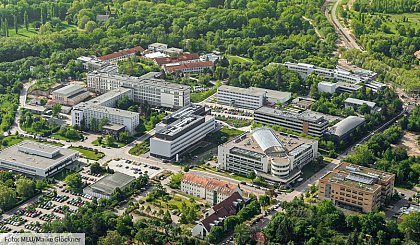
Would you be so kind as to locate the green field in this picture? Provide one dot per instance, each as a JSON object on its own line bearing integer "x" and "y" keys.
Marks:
{"x": 113, "y": 145}
{"x": 237, "y": 123}
{"x": 239, "y": 59}
{"x": 23, "y": 33}
{"x": 60, "y": 137}
{"x": 12, "y": 140}
{"x": 91, "y": 155}
{"x": 141, "y": 148}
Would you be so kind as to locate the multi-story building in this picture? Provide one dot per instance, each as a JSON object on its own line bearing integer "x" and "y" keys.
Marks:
{"x": 307, "y": 122}
{"x": 103, "y": 107}
{"x": 276, "y": 157}
{"x": 147, "y": 88}
{"x": 212, "y": 190}
{"x": 177, "y": 60}
{"x": 355, "y": 187}
{"x": 157, "y": 47}
{"x": 121, "y": 55}
{"x": 355, "y": 103}
{"x": 193, "y": 67}
{"x": 344, "y": 128}
{"x": 328, "y": 87}
{"x": 70, "y": 95}
{"x": 251, "y": 98}
{"x": 179, "y": 132}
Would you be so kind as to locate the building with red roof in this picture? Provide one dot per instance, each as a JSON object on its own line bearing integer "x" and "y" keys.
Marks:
{"x": 195, "y": 67}
{"x": 179, "y": 59}
{"x": 121, "y": 55}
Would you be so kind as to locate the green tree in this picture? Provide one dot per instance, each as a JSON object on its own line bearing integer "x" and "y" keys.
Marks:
{"x": 216, "y": 234}
{"x": 230, "y": 222}
{"x": 251, "y": 175}
{"x": 243, "y": 234}
{"x": 15, "y": 23}
{"x": 109, "y": 140}
{"x": 167, "y": 219}
{"x": 7, "y": 197}
{"x": 264, "y": 200}
{"x": 25, "y": 187}
{"x": 411, "y": 225}
{"x": 56, "y": 109}
{"x": 90, "y": 26}
{"x": 74, "y": 182}
{"x": 111, "y": 238}
{"x": 25, "y": 20}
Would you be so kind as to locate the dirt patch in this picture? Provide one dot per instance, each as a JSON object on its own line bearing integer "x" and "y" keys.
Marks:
{"x": 410, "y": 140}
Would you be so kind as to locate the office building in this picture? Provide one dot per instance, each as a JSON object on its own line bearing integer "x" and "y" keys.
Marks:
{"x": 216, "y": 215}
{"x": 70, "y": 95}
{"x": 106, "y": 186}
{"x": 250, "y": 98}
{"x": 212, "y": 190}
{"x": 177, "y": 60}
{"x": 157, "y": 47}
{"x": 179, "y": 132}
{"x": 147, "y": 88}
{"x": 357, "y": 188}
{"x": 193, "y": 67}
{"x": 306, "y": 122}
{"x": 328, "y": 87}
{"x": 122, "y": 54}
{"x": 92, "y": 112}
{"x": 343, "y": 129}
{"x": 355, "y": 103}
{"x": 276, "y": 157}
{"x": 36, "y": 159}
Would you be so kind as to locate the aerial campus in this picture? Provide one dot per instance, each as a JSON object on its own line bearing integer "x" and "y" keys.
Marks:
{"x": 136, "y": 123}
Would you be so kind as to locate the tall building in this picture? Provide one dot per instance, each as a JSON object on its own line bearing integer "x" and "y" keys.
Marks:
{"x": 306, "y": 121}
{"x": 103, "y": 107}
{"x": 357, "y": 188}
{"x": 70, "y": 95}
{"x": 179, "y": 132}
{"x": 147, "y": 89}
{"x": 250, "y": 98}
{"x": 276, "y": 157}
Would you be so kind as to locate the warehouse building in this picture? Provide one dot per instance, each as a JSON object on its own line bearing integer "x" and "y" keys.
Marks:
{"x": 180, "y": 131}
{"x": 306, "y": 122}
{"x": 36, "y": 159}
{"x": 106, "y": 186}
{"x": 276, "y": 157}
{"x": 343, "y": 129}
{"x": 357, "y": 188}
{"x": 70, "y": 95}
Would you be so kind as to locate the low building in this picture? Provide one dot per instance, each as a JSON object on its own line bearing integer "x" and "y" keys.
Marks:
{"x": 216, "y": 216}
{"x": 106, "y": 186}
{"x": 122, "y": 54}
{"x": 194, "y": 67}
{"x": 157, "y": 47}
{"x": 37, "y": 159}
{"x": 36, "y": 109}
{"x": 250, "y": 98}
{"x": 70, "y": 95}
{"x": 276, "y": 157}
{"x": 306, "y": 122}
{"x": 343, "y": 129}
{"x": 92, "y": 63}
{"x": 179, "y": 132}
{"x": 357, "y": 188}
{"x": 328, "y": 87}
{"x": 355, "y": 103}
{"x": 177, "y": 60}
{"x": 212, "y": 190}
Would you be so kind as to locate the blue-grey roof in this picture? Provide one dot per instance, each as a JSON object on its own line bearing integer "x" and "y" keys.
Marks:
{"x": 345, "y": 125}
{"x": 267, "y": 140}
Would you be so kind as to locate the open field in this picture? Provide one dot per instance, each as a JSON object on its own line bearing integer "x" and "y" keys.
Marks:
{"x": 239, "y": 59}
{"x": 88, "y": 153}
{"x": 410, "y": 141}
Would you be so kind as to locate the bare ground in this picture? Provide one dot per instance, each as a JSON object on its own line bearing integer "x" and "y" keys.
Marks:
{"x": 410, "y": 140}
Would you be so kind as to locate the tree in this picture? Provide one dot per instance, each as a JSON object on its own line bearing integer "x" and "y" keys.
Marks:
{"x": 25, "y": 20}
{"x": 175, "y": 182}
{"x": 7, "y": 197}
{"x": 230, "y": 222}
{"x": 90, "y": 26}
{"x": 15, "y": 23}
{"x": 111, "y": 238}
{"x": 243, "y": 234}
{"x": 109, "y": 140}
{"x": 411, "y": 225}
{"x": 124, "y": 102}
{"x": 56, "y": 109}
{"x": 167, "y": 219}
{"x": 74, "y": 182}
{"x": 216, "y": 234}
{"x": 123, "y": 137}
{"x": 264, "y": 200}
{"x": 96, "y": 168}
{"x": 25, "y": 187}
{"x": 251, "y": 175}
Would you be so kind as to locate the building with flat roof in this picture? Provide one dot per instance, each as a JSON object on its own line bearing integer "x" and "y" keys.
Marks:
{"x": 121, "y": 55}
{"x": 70, "y": 95}
{"x": 102, "y": 106}
{"x": 106, "y": 186}
{"x": 147, "y": 88}
{"x": 210, "y": 189}
{"x": 355, "y": 103}
{"x": 36, "y": 159}
{"x": 355, "y": 187}
{"x": 306, "y": 121}
{"x": 179, "y": 59}
{"x": 157, "y": 47}
{"x": 251, "y": 98}
{"x": 343, "y": 129}
{"x": 192, "y": 67}
{"x": 276, "y": 157}
{"x": 179, "y": 132}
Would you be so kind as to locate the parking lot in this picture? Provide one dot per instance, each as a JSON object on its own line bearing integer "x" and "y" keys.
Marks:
{"x": 134, "y": 168}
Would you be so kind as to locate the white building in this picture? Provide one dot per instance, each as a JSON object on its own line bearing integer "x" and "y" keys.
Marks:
{"x": 276, "y": 157}
{"x": 156, "y": 92}
{"x": 36, "y": 159}
{"x": 355, "y": 103}
{"x": 70, "y": 95}
{"x": 121, "y": 55}
{"x": 251, "y": 98}
{"x": 212, "y": 190}
{"x": 106, "y": 186}
{"x": 194, "y": 67}
{"x": 178, "y": 132}
{"x": 307, "y": 122}
{"x": 157, "y": 47}
{"x": 103, "y": 107}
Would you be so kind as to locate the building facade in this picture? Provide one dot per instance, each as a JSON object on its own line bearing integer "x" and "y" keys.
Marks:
{"x": 192, "y": 67}
{"x": 356, "y": 103}
{"x": 357, "y": 188}
{"x": 121, "y": 55}
{"x": 306, "y": 121}
{"x": 276, "y": 157}
{"x": 105, "y": 187}
{"x": 70, "y": 95}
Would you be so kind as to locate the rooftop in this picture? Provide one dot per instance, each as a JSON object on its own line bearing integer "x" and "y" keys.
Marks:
{"x": 305, "y": 115}
{"x": 209, "y": 183}
{"x": 345, "y": 125}
{"x": 175, "y": 59}
{"x": 177, "y": 66}
{"x": 35, "y": 155}
{"x": 69, "y": 90}
{"x": 122, "y": 53}
{"x": 360, "y": 102}
{"x": 109, "y": 183}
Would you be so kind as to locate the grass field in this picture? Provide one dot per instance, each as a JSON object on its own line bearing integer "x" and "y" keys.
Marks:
{"x": 23, "y": 33}
{"x": 141, "y": 148}
{"x": 113, "y": 145}
{"x": 88, "y": 153}
{"x": 237, "y": 123}
{"x": 239, "y": 59}
{"x": 12, "y": 140}
{"x": 60, "y": 137}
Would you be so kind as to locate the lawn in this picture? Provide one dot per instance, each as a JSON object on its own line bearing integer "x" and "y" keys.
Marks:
{"x": 237, "y": 123}
{"x": 239, "y": 59}
{"x": 60, "y": 137}
{"x": 310, "y": 169}
{"x": 141, "y": 148}
{"x": 62, "y": 175}
{"x": 13, "y": 139}
{"x": 23, "y": 33}
{"x": 92, "y": 155}
{"x": 200, "y": 96}
{"x": 113, "y": 145}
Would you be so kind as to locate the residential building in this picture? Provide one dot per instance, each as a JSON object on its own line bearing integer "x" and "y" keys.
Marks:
{"x": 193, "y": 67}
{"x": 92, "y": 112}
{"x": 147, "y": 88}
{"x": 37, "y": 159}
{"x": 177, "y": 60}
{"x": 70, "y": 95}
{"x": 122, "y": 54}
{"x": 106, "y": 186}
{"x": 355, "y": 187}
{"x": 276, "y": 157}
{"x": 215, "y": 217}
{"x": 212, "y": 190}
{"x": 250, "y": 98}
{"x": 344, "y": 128}
{"x": 306, "y": 121}
{"x": 179, "y": 132}
{"x": 355, "y": 103}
